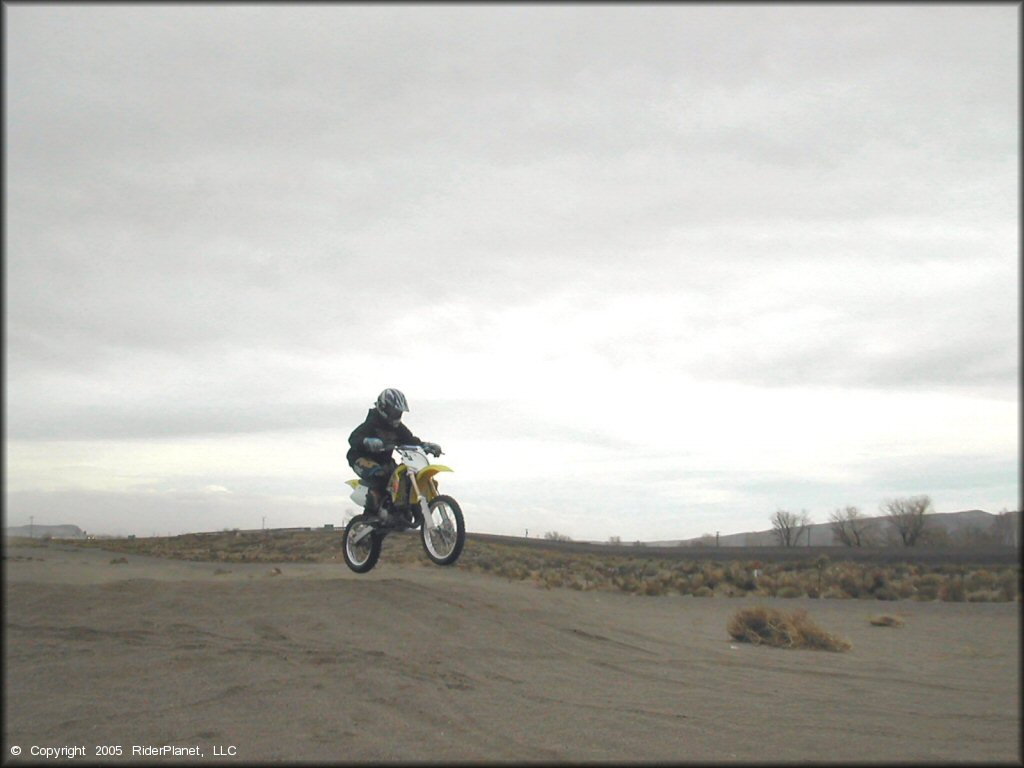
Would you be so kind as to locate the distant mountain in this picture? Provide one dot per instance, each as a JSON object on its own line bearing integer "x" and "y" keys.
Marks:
{"x": 953, "y": 523}
{"x": 42, "y": 531}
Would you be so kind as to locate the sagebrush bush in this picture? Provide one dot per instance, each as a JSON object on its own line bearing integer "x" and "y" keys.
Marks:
{"x": 980, "y": 580}
{"x": 1008, "y": 584}
{"x": 877, "y": 580}
{"x": 904, "y": 588}
{"x": 766, "y": 626}
{"x": 984, "y": 596}
{"x": 714, "y": 575}
{"x": 952, "y": 590}
{"x": 654, "y": 588}
{"x": 850, "y": 579}
{"x": 927, "y": 586}
{"x": 829, "y": 579}
{"x": 765, "y": 586}
{"x": 835, "y": 593}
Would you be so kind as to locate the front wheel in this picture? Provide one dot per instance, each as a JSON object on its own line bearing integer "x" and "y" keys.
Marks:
{"x": 362, "y": 545}
{"x": 444, "y": 531}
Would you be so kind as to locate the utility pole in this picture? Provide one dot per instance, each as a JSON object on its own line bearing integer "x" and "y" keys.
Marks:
{"x": 716, "y": 537}
{"x": 31, "y": 526}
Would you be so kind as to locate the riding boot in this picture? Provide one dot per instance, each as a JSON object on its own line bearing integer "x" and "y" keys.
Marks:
{"x": 373, "y": 501}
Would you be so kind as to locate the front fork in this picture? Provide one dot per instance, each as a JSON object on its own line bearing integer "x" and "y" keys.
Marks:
{"x": 414, "y": 487}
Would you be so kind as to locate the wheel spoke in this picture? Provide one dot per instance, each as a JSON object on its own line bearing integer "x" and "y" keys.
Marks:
{"x": 441, "y": 537}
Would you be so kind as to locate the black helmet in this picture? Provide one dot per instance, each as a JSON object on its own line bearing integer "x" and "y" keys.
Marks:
{"x": 390, "y": 404}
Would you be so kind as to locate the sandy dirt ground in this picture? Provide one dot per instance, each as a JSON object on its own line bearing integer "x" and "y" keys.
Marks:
{"x": 420, "y": 663}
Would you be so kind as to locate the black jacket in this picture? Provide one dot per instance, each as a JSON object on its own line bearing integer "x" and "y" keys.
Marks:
{"x": 376, "y": 426}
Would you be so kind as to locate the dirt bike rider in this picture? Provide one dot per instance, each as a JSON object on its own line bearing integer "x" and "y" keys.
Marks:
{"x": 373, "y": 440}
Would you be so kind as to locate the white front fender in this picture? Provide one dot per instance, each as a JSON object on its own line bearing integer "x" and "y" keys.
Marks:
{"x": 358, "y": 494}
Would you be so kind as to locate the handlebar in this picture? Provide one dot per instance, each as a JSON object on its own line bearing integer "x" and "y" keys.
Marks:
{"x": 413, "y": 448}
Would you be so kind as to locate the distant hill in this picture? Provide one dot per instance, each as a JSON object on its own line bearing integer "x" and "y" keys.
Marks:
{"x": 42, "y": 531}
{"x": 953, "y": 523}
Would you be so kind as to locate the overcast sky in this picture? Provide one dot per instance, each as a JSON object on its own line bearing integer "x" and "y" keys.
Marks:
{"x": 642, "y": 271}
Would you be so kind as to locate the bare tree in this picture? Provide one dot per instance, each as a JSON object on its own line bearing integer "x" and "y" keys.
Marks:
{"x": 556, "y": 536}
{"x": 907, "y": 516}
{"x": 1005, "y": 527}
{"x": 788, "y": 526}
{"x": 850, "y": 527}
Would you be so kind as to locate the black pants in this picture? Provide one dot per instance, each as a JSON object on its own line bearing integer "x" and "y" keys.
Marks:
{"x": 373, "y": 474}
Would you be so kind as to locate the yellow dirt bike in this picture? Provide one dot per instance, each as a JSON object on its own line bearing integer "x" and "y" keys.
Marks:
{"x": 411, "y": 501}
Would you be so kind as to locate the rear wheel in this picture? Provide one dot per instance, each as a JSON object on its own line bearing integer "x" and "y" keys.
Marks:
{"x": 444, "y": 531}
{"x": 362, "y": 545}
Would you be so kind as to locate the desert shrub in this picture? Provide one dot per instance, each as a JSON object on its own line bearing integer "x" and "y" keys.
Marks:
{"x": 985, "y": 596}
{"x": 734, "y": 573}
{"x": 885, "y": 620}
{"x": 515, "y": 571}
{"x": 556, "y": 536}
{"x": 849, "y": 579}
{"x": 579, "y": 583}
{"x": 814, "y": 637}
{"x": 703, "y": 592}
{"x": 1008, "y": 584}
{"x": 681, "y": 586}
{"x": 952, "y": 590}
{"x": 789, "y": 580}
{"x": 835, "y": 593}
{"x": 904, "y": 588}
{"x": 876, "y": 580}
{"x": 653, "y": 588}
{"x": 552, "y": 579}
{"x": 790, "y": 591}
{"x": 927, "y": 586}
{"x": 767, "y": 626}
{"x": 838, "y": 579}
{"x": 979, "y": 580}
{"x": 765, "y": 586}
{"x": 746, "y": 582}
{"x": 714, "y": 575}
{"x": 632, "y": 585}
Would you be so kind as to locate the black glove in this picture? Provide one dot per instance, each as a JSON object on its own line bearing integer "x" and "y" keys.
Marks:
{"x": 433, "y": 448}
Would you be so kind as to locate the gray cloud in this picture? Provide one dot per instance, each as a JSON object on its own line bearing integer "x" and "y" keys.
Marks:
{"x": 226, "y": 219}
{"x": 163, "y": 513}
